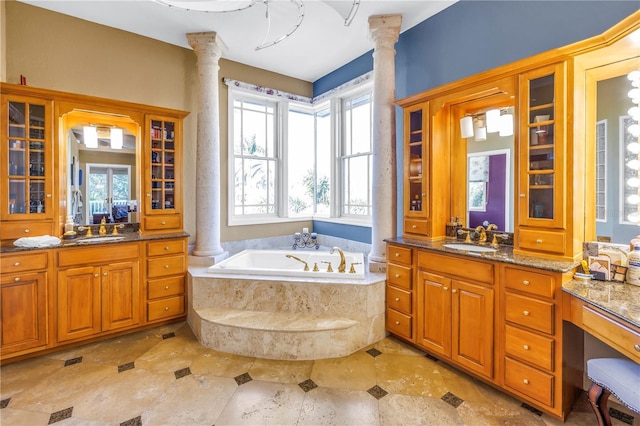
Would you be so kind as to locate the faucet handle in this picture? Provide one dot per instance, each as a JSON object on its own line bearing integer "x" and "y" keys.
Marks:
{"x": 468, "y": 238}
{"x": 315, "y": 267}
{"x": 88, "y": 228}
{"x": 352, "y": 270}
{"x": 329, "y": 268}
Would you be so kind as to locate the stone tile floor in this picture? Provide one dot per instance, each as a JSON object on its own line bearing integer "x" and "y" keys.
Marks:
{"x": 163, "y": 376}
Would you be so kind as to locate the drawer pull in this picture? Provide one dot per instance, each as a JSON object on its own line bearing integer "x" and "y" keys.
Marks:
{"x": 96, "y": 275}
{"x": 166, "y": 308}
{"x": 397, "y": 299}
{"x": 163, "y": 223}
{"x": 166, "y": 248}
{"x": 525, "y": 313}
{"x": 16, "y": 264}
{"x": 397, "y": 254}
{"x": 636, "y": 347}
{"x": 526, "y": 347}
{"x": 166, "y": 266}
{"x": 104, "y": 274}
{"x": 26, "y": 231}
{"x": 397, "y": 275}
{"x": 48, "y": 195}
{"x": 397, "y": 322}
{"x": 525, "y": 381}
{"x": 16, "y": 279}
{"x": 445, "y": 288}
{"x": 525, "y": 282}
{"x": 166, "y": 287}
{"x": 454, "y": 291}
{"x": 539, "y": 241}
{"x": 413, "y": 227}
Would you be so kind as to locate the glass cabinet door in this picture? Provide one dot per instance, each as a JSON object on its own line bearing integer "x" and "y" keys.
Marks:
{"x": 162, "y": 167}
{"x": 542, "y": 141}
{"x": 27, "y": 159}
{"x": 415, "y": 131}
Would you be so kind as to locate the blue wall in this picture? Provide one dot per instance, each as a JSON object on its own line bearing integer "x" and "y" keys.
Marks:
{"x": 350, "y": 232}
{"x": 474, "y": 36}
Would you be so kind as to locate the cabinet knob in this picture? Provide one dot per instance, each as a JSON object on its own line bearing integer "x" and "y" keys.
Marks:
{"x": 48, "y": 195}
{"x": 454, "y": 291}
{"x": 96, "y": 275}
{"x": 166, "y": 308}
{"x": 539, "y": 241}
{"x": 445, "y": 288}
{"x": 166, "y": 287}
{"x": 397, "y": 299}
{"x": 414, "y": 227}
{"x": 16, "y": 279}
{"x": 163, "y": 223}
{"x": 397, "y": 322}
{"x": 526, "y": 347}
{"x": 148, "y": 195}
{"x": 166, "y": 266}
{"x": 16, "y": 264}
{"x": 104, "y": 274}
{"x": 166, "y": 248}
{"x": 525, "y": 381}
{"x": 26, "y": 231}
{"x": 397, "y": 254}
{"x": 636, "y": 347}
{"x": 525, "y": 313}
{"x": 525, "y": 282}
{"x": 522, "y": 196}
{"x": 397, "y": 275}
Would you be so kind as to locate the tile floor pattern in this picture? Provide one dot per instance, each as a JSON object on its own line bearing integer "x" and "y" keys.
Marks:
{"x": 163, "y": 376}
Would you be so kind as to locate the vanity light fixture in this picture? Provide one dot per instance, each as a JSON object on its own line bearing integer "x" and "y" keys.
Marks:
{"x": 479, "y": 130}
{"x": 493, "y": 120}
{"x": 506, "y": 124}
{"x": 466, "y": 126}
{"x": 116, "y": 138}
{"x": 90, "y": 136}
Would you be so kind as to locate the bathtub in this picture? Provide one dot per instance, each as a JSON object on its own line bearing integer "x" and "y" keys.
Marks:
{"x": 276, "y": 262}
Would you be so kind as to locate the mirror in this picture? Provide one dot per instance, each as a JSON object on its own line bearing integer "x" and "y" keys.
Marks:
{"x": 103, "y": 171}
{"x": 610, "y": 214}
{"x": 483, "y": 164}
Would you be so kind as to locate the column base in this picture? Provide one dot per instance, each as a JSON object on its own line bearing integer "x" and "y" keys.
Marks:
{"x": 198, "y": 258}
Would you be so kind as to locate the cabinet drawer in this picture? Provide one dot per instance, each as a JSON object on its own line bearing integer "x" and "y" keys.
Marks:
{"x": 163, "y": 266}
{"x": 450, "y": 265}
{"x": 165, "y": 287}
{"x": 532, "y": 313}
{"x": 11, "y": 263}
{"x": 550, "y": 242}
{"x": 530, "y": 282}
{"x": 165, "y": 308}
{"x": 15, "y": 230}
{"x": 528, "y": 381}
{"x": 620, "y": 337}
{"x": 530, "y": 347}
{"x": 399, "y": 324}
{"x": 401, "y": 255}
{"x": 163, "y": 222}
{"x": 400, "y": 276}
{"x": 416, "y": 226}
{"x": 164, "y": 247}
{"x": 399, "y": 300}
{"x": 97, "y": 255}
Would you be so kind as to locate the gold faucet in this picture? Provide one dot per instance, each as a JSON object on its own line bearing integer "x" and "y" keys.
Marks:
{"x": 492, "y": 227}
{"x": 343, "y": 262}
{"x": 115, "y": 229}
{"x": 306, "y": 265}
{"x": 483, "y": 234}
{"x": 103, "y": 228}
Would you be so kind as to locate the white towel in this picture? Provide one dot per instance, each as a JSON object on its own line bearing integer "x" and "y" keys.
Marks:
{"x": 37, "y": 242}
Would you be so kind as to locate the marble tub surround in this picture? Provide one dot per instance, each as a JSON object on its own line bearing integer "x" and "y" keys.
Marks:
{"x": 621, "y": 300}
{"x": 286, "y": 317}
{"x": 163, "y": 376}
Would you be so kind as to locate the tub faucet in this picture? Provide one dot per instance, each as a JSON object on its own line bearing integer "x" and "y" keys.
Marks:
{"x": 343, "y": 262}
{"x": 306, "y": 265}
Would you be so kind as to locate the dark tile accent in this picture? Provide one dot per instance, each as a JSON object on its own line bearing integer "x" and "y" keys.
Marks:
{"x": 374, "y": 352}
{"x": 432, "y": 358}
{"x": 534, "y": 410}
{"x": 60, "y": 415}
{"x": 377, "y": 392}
{"x": 136, "y": 421}
{"x": 243, "y": 378}
{"x": 308, "y": 385}
{"x": 452, "y": 400}
{"x": 125, "y": 367}
{"x": 76, "y": 360}
{"x": 182, "y": 372}
{"x": 623, "y": 417}
{"x": 168, "y": 335}
{"x": 4, "y": 403}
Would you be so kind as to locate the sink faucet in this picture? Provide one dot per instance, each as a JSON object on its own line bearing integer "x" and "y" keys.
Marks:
{"x": 306, "y": 265}
{"x": 103, "y": 228}
{"x": 343, "y": 262}
{"x": 483, "y": 234}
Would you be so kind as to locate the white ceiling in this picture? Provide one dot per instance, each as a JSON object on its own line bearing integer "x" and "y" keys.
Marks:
{"x": 320, "y": 45}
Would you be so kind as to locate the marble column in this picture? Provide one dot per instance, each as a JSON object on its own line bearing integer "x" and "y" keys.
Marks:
{"x": 208, "y": 48}
{"x": 384, "y": 31}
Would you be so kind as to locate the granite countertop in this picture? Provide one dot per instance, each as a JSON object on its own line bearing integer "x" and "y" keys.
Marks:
{"x": 619, "y": 299}
{"x": 128, "y": 237}
{"x": 503, "y": 254}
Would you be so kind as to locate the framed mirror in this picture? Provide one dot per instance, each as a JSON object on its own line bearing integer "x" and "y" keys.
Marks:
{"x": 103, "y": 166}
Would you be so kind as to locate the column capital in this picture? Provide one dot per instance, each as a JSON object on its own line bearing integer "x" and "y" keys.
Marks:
{"x": 207, "y": 42}
{"x": 385, "y": 29}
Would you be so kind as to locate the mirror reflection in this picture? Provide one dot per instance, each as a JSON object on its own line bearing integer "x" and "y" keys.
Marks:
{"x": 102, "y": 167}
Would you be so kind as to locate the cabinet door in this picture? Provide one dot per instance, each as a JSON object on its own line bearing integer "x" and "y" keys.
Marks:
{"x": 26, "y": 159}
{"x": 120, "y": 295}
{"x": 542, "y": 148}
{"x": 416, "y": 161}
{"x": 78, "y": 302}
{"x": 472, "y": 327}
{"x": 434, "y": 313}
{"x": 23, "y": 312}
{"x": 162, "y": 168}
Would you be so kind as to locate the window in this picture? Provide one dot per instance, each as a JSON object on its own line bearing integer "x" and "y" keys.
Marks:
{"x": 293, "y": 158}
{"x": 601, "y": 171}
{"x": 108, "y": 187}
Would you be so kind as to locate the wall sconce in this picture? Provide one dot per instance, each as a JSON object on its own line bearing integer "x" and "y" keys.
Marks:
{"x": 116, "y": 138}
{"x": 90, "y": 136}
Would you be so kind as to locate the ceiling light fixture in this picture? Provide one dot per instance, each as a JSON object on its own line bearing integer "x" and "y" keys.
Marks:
{"x": 209, "y": 6}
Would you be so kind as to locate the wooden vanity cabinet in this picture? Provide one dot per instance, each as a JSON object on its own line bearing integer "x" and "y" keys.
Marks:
{"x": 166, "y": 268}
{"x": 400, "y": 293}
{"x": 25, "y": 295}
{"x": 98, "y": 290}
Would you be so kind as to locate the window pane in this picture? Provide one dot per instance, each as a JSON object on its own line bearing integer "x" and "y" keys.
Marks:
{"x": 323, "y": 162}
{"x": 300, "y": 170}
{"x": 357, "y": 194}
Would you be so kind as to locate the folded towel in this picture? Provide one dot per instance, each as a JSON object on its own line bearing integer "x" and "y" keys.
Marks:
{"x": 37, "y": 242}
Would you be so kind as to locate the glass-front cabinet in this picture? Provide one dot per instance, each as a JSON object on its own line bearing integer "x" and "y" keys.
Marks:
{"x": 27, "y": 159}
{"x": 415, "y": 174}
{"x": 542, "y": 148}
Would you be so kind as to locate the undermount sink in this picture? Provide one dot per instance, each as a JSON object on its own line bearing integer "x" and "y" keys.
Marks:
{"x": 470, "y": 247}
{"x": 100, "y": 239}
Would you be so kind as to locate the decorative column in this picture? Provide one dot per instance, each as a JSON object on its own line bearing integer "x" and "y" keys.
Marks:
{"x": 208, "y": 48}
{"x": 384, "y": 31}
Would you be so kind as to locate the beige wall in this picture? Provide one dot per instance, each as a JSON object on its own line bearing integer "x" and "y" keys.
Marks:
{"x": 58, "y": 52}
